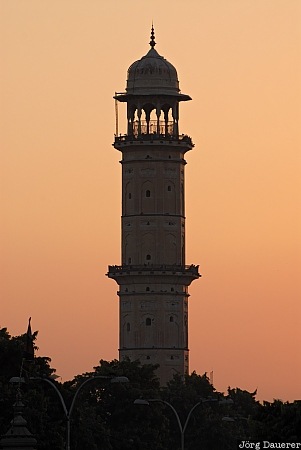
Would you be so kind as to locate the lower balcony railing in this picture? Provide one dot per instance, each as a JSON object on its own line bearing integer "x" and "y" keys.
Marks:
{"x": 189, "y": 269}
{"x": 182, "y": 138}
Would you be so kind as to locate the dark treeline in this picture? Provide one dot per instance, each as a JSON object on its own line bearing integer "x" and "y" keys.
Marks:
{"x": 105, "y": 416}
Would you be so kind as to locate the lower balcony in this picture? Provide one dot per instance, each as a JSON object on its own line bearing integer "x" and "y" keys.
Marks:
{"x": 126, "y": 274}
{"x": 181, "y": 139}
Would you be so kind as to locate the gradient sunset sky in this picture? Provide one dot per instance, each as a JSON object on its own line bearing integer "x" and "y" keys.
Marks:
{"x": 61, "y": 63}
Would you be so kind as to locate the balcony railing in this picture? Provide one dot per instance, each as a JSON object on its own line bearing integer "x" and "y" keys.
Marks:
{"x": 187, "y": 269}
{"x": 180, "y": 139}
{"x": 153, "y": 127}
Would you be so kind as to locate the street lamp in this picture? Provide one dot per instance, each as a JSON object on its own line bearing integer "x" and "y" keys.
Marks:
{"x": 182, "y": 428}
{"x": 66, "y": 412}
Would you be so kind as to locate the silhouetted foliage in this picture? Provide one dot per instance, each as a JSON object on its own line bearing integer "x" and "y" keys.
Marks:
{"x": 40, "y": 409}
{"x": 105, "y": 416}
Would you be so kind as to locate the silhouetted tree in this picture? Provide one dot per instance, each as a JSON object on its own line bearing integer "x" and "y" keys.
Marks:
{"x": 105, "y": 416}
{"x": 40, "y": 408}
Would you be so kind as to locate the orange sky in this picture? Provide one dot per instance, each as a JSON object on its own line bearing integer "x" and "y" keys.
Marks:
{"x": 61, "y": 62}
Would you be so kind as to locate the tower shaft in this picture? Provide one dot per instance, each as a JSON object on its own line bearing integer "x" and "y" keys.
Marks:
{"x": 153, "y": 278}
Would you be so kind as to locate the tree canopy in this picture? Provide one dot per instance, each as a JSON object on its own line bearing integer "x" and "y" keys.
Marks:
{"x": 105, "y": 416}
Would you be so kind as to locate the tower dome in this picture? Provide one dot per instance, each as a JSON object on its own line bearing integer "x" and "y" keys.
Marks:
{"x": 152, "y": 74}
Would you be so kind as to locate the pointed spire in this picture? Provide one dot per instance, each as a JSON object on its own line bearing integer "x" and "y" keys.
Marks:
{"x": 18, "y": 435}
{"x": 152, "y": 37}
{"x": 29, "y": 346}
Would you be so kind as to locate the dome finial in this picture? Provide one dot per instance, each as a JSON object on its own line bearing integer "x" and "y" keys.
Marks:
{"x": 152, "y": 41}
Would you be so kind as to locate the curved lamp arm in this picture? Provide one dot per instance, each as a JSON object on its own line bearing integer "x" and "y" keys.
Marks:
{"x": 189, "y": 415}
{"x": 81, "y": 387}
{"x": 174, "y": 411}
{"x": 98, "y": 377}
{"x": 182, "y": 428}
{"x": 57, "y": 391}
{"x": 68, "y": 413}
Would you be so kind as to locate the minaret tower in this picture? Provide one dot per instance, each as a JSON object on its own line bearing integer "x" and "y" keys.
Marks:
{"x": 153, "y": 278}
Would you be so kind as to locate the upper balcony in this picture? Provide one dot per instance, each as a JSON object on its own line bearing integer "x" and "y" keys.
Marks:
{"x": 153, "y": 130}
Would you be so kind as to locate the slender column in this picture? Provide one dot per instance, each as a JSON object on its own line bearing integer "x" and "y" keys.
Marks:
{"x": 158, "y": 113}
{"x": 139, "y": 113}
{"x": 147, "y": 117}
{"x": 130, "y": 117}
{"x": 166, "y": 121}
{"x": 175, "y": 116}
{"x": 129, "y": 131}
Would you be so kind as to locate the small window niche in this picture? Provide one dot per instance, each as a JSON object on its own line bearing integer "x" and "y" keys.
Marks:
{"x": 147, "y": 289}
{"x": 171, "y": 318}
{"x": 148, "y": 321}
{"x": 169, "y": 188}
{"x": 130, "y": 260}
{"x": 147, "y": 193}
{"x": 128, "y": 327}
{"x": 130, "y": 195}
{"x": 148, "y": 257}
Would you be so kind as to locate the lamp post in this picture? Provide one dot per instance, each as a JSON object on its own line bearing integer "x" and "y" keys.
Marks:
{"x": 66, "y": 412}
{"x": 181, "y": 427}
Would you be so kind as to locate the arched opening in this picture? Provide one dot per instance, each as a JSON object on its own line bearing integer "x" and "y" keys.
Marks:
{"x": 170, "y": 204}
{"x": 128, "y": 205}
{"x": 148, "y": 197}
{"x": 153, "y": 119}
